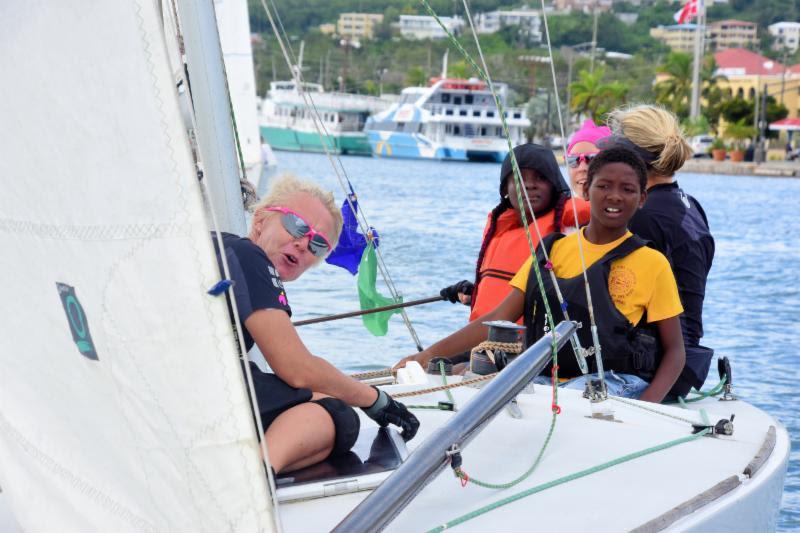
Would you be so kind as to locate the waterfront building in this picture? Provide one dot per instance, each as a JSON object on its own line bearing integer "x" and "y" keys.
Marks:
{"x": 586, "y": 6}
{"x": 748, "y": 73}
{"x": 425, "y": 27}
{"x": 787, "y": 35}
{"x": 357, "y": 26}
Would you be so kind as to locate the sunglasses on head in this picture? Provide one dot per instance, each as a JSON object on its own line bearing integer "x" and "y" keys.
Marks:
{"x": 574, "y": 160}
{"x": 298, "y": 227}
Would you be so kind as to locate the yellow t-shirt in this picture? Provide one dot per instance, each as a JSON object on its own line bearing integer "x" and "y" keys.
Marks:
{"x": 641, "y": 281}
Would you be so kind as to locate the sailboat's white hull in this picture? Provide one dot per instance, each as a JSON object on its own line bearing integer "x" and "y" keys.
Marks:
{"x": 698, "y": 485}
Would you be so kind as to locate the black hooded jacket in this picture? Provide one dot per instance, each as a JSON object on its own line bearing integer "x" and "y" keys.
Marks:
{"x": 540, "y": 159}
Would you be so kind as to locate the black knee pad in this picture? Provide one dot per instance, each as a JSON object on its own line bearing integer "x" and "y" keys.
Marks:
{"x": 345, "y": 420}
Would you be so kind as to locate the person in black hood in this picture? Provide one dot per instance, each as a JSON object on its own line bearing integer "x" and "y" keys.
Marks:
{"x": 505, "y": 245}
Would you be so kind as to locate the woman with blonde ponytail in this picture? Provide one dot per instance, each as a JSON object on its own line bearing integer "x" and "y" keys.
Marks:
{"x": 672, "y": 220}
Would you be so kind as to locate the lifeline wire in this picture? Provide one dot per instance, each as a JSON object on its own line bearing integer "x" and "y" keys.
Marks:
{"x": 338, "y": 169}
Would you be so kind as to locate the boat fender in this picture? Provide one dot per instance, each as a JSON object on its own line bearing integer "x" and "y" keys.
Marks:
{"x": 412, "y": 374}
{"x": 723, "y": 427}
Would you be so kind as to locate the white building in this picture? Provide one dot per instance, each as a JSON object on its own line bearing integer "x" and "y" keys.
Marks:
{"x": 529, "y": 21}
{"x": 787, "y": 35}
{"x": 424, "y": 27}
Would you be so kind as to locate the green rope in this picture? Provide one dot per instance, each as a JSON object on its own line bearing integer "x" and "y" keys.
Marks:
{"x": 718, "y": 388}
{"x": 467, "y": 479}
{"x": 571, "y": 477}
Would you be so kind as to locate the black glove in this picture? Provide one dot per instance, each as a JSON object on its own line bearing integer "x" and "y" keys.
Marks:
{"x": 451, "y": 293}
{"x": 387, "y": 411}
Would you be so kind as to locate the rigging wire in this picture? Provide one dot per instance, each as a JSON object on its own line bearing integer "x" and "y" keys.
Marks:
{"x": 339, "y": 170}
{"x": 226, "y": 273}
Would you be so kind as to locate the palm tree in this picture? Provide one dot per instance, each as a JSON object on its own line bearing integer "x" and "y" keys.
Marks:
{"x": 592, "y": 97}
{"x": 675, "y": 91}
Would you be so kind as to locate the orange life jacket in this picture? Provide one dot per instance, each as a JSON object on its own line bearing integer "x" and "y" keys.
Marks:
{"x": 509, "y": 249}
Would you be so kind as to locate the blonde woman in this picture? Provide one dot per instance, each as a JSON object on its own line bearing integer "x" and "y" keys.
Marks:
{"x": 305, "y": 405}
{"x": 672, "y": 220}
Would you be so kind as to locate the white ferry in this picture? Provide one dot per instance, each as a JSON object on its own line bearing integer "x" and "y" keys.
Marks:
{"x": 452, "y": 119}
{"x": 287, "y": 124}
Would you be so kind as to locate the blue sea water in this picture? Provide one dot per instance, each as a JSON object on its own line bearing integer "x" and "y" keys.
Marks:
{"x": 430, "y": 216}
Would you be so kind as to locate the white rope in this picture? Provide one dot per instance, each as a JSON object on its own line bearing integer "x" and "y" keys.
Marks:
{"x": 339, "y": 169}
{"x": 239, "y": 333}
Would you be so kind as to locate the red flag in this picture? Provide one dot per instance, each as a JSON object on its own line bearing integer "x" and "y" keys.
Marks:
{"x": 686, "y": 13}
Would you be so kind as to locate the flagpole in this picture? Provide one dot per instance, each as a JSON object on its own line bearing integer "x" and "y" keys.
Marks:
{"x": 367, "y": 311}
{"x": 699, "y": 34}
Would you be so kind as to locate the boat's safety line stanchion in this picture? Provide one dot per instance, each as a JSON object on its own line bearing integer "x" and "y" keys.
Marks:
{"x": 571, "y": 477}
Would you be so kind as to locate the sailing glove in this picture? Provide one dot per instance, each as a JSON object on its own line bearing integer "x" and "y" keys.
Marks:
{"x": 451, "y": 293}
{"x": 387, "y": 411}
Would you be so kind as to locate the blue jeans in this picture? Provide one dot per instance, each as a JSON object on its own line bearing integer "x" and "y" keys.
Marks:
{"x": 622, "y": 385}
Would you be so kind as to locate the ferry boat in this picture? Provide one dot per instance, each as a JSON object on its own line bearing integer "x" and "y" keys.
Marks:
{"x": 452, "y": 119}
{"x": 287, "y": 124}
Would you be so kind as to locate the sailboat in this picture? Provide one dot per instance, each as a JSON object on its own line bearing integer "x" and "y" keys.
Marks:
{"x": 122, "y": 401}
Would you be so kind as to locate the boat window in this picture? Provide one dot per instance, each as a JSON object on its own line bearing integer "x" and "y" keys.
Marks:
{"x": 490, "y": 113}
{"x": 476, "y": 113}
{"x": 463, "y": 112}
{"x": 498, "y": 131}
{"x": 445, "y": 98}
{"x": 448, "y": 112}
{"x": 400, "y": 126}
{"x": 456, "y": 130}
{"x": 517, "y": 115}
{"x": 468, "y": 98}
{"x": 457, "y": 100}
{"x": 483, "y": 132}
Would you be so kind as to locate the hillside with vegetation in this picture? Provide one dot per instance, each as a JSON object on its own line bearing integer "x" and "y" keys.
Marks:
{"x": 388, "y": 63}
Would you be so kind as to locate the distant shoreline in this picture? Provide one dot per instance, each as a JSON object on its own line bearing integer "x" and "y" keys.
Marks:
{"x": 779, "y": 169}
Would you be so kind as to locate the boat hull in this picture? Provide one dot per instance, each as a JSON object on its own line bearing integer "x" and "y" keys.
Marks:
{"x": 292, "y": 140}
{"x": 416, "y": 146}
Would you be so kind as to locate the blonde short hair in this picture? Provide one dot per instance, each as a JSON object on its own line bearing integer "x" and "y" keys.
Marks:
{"x": 285, "y": 187}
{"x": 656, "y": 130}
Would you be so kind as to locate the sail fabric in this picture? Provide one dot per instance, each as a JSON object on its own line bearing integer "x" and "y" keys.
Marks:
{"x": 234, "y": 35}
{"x": 370, "y": 298}
{"x": 122, "y": 402}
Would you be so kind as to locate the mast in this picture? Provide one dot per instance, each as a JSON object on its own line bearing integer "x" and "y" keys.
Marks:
{"x": 699, "y": 35}
{"x": 218, "y": 154}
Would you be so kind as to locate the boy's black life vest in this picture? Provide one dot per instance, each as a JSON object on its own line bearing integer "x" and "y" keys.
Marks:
{"x": 625, "y": 348}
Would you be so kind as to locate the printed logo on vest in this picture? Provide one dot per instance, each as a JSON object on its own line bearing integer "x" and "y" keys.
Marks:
{"x": 76, "y": 319}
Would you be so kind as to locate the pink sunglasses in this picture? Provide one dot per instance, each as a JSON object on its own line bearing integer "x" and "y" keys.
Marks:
{"x": 298, "y": 227}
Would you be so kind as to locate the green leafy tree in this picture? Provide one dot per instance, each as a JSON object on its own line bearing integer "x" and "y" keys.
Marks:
{"x": 416, "y": 77}
{"x": 675, "y": 92}
{"x": 592, "y": 97}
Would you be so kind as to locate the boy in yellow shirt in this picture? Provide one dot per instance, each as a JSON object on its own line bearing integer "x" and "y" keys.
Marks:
{"x": 634, "y": 294}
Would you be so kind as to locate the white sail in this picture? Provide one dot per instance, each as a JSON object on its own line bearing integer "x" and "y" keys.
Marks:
{"x": 100, "y": 195}
{"x": 234, "y": 34}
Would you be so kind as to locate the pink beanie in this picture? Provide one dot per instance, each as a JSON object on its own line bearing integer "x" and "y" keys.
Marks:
{"x": 589, "y": 132}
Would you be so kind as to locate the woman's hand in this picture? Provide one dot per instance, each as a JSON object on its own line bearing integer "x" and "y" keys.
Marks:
{"x": 422, "y": 358}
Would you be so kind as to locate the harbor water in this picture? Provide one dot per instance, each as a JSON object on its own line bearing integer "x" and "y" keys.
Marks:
{"x": 430, "y": 216}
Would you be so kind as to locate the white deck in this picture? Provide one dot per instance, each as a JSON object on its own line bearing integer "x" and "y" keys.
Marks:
{"x": 622, "y": 497}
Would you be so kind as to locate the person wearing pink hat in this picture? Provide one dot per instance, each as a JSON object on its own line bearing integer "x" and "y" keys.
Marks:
{"x": 581, "y": 149}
